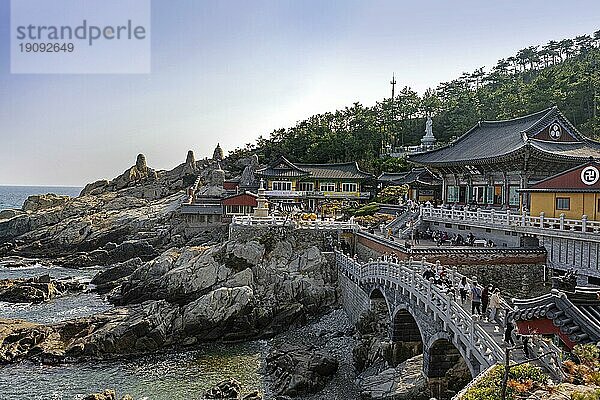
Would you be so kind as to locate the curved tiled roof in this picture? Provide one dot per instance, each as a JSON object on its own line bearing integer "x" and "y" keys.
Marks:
{"x": 577, "y": 314}
{"x": 492, "y": 139}
{"x": 282, "y": 168}
{"x": 583, "y": 150}
{"x": 391, "y": 176}
{"x": 349, "y": 170}
{"x": 420, "y": 175}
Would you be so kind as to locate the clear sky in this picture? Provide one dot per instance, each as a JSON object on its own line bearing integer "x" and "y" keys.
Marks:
{"x": 229, "y": 71}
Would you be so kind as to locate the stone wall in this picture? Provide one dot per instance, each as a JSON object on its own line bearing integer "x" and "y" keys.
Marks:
{"x": 564, "y": 254}
{"x": 323, "y": 239}
{"x": 514, "y": 280}
{"x": 517, "y": 272}
{"x": 373, "y": 247}
{"x": 352, "y": 297}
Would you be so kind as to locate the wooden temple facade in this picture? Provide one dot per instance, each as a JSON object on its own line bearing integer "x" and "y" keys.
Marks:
{"x": 492, "y": 163}
{"x": 309, "y": 186}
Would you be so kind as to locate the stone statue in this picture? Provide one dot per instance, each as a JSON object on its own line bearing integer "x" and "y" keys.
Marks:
{"x": 190, "y": 159}
{"x": 428, "y": 141}
{"x": 429, "y": 127}
{"x": 214, "y": 184}
{"x": 248, "y": 178}
{"x": 218, "y": 153}
{"x": 140, "y": 163}
{"x": 217, "y": 177}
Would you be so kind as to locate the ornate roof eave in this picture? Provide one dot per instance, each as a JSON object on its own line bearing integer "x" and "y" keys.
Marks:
{"x": 558, "y": 308}
{"x": 554, "y": 156}
{"x": 540, "y": 122}
{"x": 267, "y": 175}
{"x": 279, "y": 160}
{"x": 558, "y": 190}
{"x": 481, "y": 161}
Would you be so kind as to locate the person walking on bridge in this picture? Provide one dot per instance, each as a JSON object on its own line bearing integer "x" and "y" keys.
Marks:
{"x": 495, "y": 301}
{"x": 485, "y": 299}
{"x": 463, "y": 289}
{"x": 475, "y": 297}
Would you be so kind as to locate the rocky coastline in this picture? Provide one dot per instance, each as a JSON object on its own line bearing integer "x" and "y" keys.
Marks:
{"x": 175, "y": 289}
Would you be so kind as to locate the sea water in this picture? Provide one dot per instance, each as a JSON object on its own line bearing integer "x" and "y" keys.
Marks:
{"x": 14, "y": 196}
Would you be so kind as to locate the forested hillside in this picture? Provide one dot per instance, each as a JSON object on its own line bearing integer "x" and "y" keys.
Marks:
{"x": 564, "y": 73}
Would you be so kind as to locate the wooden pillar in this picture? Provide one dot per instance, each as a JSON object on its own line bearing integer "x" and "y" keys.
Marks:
{"x": 506, "y": 197}
{"x": 444, "y": 189}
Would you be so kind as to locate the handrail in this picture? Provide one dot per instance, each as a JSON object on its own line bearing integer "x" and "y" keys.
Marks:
{"x": 300, "y": 224}
{"x": 511, "y": 218}
{"x": 467, "y": 334}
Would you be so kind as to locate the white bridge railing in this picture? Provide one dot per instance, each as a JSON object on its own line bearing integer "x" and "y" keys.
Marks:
{"x": 295, "y": 223}
{"x": 469, "y": 337}
{"x": 511, "y": 218}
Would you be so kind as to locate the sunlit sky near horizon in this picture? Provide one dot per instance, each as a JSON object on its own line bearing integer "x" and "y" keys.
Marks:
{"x": 230, "y": 71}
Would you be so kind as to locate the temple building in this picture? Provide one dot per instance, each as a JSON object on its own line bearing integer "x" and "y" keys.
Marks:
{"x": 311, "y": 185}
{"x": 574, "y": 193}
{"x": 494, "y": 161}
{"x": 422, "y": 185}
{"x": 241, "y": 204}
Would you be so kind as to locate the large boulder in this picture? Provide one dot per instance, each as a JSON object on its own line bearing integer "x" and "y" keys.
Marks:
{"x": 37, "y": 289}
{"x": 300, "y": 369}
{"x": 225, "y": 313}
{"x": 226, "y": 389}
{"x": 10, "y": 213}
{"x": 405, "y": 382}
{"x": 44, "y": 201}
{"x": 107, "y": 394}
{"x": 115, "y": 275}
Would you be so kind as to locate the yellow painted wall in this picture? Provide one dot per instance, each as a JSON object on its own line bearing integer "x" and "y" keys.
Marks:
{"x": 581, "y": 204}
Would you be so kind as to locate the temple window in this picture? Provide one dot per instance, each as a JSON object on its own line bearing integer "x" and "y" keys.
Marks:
{"x": 306, "y": 186}
{"x": 452, "y": 194}
{"x": 327, "y": 187}
{"x": 349, "y": 187}
{"x": 489, "y": 195}
{"x": 513, "y": 196}
{"x": 282, "y": 185}
{"x": 563, "y": 203}
{"x": 479, "y": 194}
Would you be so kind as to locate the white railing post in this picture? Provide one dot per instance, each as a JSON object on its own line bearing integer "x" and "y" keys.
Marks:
{"x": 428, "y": 295}
{"x": 584, "y": 223}
{"x": 478, "y": 214}
{"x": 452, "y": 212}
{"x": 562, "y": 221}
{"x": 508, "y": 216}
{"x": 492, "y": 215}
{"x": 523, "y": 217}
{"x": 542, "y": 220}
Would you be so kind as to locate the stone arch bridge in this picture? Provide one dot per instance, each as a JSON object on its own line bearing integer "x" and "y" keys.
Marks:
{"x": 421, "y": 312}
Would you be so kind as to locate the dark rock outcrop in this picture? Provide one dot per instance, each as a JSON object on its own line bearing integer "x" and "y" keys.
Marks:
{"x": 139, "y": 205}
{"x": 230, "y": 389}
{"x": 107, "y": 394}
{"x": 38, "y": 289}
{"x": 44, "y": 201}
{"x": 405, "y": 382}
{"x": 299, "y": 369}
{"x": 233, "y": 291}
{"x": 115, "y": 275}
{"x": 227, "y": 389}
